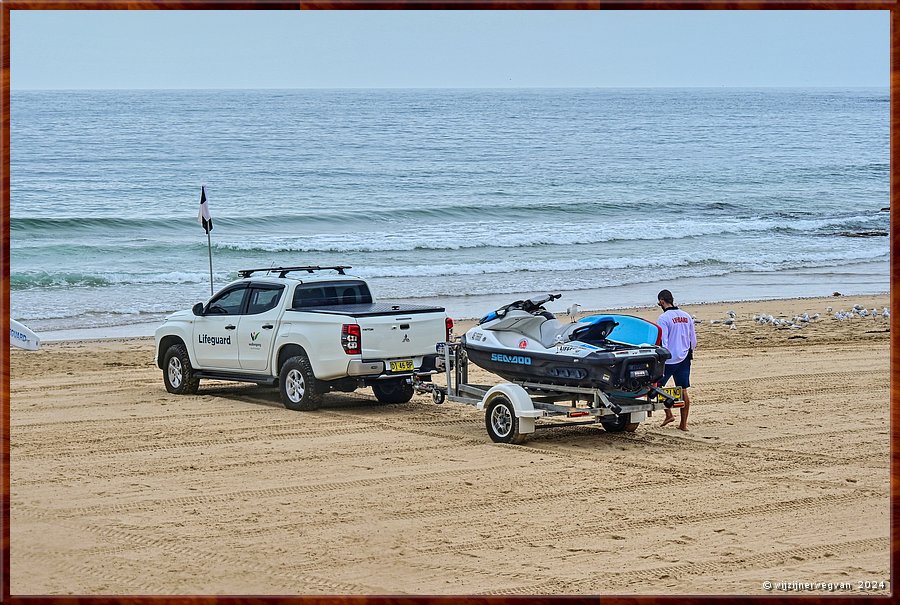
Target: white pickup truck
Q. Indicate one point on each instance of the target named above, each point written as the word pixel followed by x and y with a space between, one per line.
pixel 308 334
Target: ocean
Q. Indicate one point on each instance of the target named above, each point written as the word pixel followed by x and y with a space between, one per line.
pixel 469 198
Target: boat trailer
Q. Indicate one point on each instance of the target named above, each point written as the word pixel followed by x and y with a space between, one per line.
pixel 513 409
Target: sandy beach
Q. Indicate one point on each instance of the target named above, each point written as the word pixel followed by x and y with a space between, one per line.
pixel 118 487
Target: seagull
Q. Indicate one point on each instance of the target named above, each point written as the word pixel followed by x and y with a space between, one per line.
pixel 572 311
pixel 728 322
pixel 857 307
pixel 864 313
pixel 730 314
pixel 885 313
pixel 828 310
pixel 814 317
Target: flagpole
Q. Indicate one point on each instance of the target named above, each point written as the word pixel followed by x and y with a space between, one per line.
pixel 209 248
pixel 206 220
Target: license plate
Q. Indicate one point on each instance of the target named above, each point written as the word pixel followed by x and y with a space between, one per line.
pixel 405 365
pixel 673 392
pixel 439 347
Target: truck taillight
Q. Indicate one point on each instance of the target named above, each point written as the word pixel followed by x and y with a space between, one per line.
pixel 449 323
pixel 351 339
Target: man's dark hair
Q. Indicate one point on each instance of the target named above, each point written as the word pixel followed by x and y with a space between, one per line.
pixel 666 296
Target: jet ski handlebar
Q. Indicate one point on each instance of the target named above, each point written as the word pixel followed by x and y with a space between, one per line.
pixel 532 305
pixel 539 302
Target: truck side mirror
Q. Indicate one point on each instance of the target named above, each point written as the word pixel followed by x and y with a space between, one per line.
pixel 197 309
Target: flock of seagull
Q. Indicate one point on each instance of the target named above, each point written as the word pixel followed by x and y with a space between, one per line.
pixel 800 321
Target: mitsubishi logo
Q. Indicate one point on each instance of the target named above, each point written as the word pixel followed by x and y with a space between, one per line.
pixel 405 338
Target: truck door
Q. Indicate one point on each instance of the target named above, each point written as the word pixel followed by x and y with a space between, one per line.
pixel 258 326
pixel 215 332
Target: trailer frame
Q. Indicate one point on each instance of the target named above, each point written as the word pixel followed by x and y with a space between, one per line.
pixel 512 408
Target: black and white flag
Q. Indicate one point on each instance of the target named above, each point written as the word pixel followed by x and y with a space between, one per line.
pixel 204 217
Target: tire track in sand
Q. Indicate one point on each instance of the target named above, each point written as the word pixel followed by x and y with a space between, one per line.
pixel 706 568
pixel 553 535
pixel 202 499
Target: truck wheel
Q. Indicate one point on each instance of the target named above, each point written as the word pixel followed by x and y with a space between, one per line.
pixel 392 391
pixel 178 374
pixel 298 385
pixel 501 421
pixel 619 424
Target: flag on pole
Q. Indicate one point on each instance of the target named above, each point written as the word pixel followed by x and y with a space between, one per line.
pixel 204 217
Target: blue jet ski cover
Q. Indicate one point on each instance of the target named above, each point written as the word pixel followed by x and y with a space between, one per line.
pixel 631 330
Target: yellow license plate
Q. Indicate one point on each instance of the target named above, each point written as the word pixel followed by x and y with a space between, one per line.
pixel 673 392
pixel 405 365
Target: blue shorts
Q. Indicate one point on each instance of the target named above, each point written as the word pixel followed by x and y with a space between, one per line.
pixel 681 371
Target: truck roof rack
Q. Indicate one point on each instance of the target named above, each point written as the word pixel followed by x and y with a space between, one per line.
pixel 282 271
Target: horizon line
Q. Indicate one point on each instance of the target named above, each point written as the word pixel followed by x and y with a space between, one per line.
pixel 633 87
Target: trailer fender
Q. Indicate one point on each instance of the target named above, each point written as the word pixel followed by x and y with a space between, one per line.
pixel 522 404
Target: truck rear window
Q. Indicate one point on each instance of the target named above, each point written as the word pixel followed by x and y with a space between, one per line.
pixel 331 293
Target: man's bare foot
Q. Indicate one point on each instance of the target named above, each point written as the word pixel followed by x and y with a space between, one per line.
pixel 667 421
pixel 683 428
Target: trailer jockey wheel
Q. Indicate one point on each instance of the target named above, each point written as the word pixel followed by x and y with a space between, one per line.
pixel 437 395
pixel 501 421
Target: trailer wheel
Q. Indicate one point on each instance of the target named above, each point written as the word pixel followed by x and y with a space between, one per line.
pixel 501 421
pixel 178 375
pixel 298 385
pixel 619 424
pixel 393 391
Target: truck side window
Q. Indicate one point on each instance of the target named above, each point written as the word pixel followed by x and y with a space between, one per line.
pixel 332 293
pixel 229 303
pixel 263 299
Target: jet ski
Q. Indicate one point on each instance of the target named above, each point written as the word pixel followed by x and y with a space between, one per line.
pixel 523 342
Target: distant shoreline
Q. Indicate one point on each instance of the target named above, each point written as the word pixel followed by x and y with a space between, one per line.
pixel 700 309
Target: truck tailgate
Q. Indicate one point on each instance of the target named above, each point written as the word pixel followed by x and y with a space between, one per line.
pixel 402 335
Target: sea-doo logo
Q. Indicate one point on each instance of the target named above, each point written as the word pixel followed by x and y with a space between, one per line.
pixel 520 359
pixel 523 344
pixel 206 339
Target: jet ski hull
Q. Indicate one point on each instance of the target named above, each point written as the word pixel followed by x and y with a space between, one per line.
pixel 616 369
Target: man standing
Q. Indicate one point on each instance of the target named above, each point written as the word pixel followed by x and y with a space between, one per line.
pixel 680 338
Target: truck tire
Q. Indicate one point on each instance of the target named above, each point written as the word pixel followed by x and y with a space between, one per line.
pixel 396 390
pixel 619 424
pixel 178 374
pixel 501 422
pixel 298 385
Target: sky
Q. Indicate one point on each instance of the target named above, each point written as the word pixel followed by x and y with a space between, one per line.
pixel 446 49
